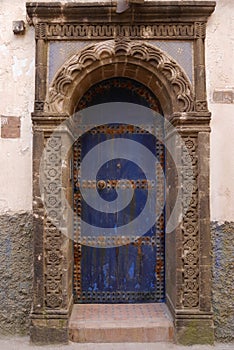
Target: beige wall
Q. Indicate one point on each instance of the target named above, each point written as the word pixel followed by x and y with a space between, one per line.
pixel 16 99
pixel 220 76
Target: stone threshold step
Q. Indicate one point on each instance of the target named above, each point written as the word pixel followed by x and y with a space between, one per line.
pixel 120 323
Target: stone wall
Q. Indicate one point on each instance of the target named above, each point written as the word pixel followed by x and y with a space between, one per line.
pixel 223 280
pixel 16 258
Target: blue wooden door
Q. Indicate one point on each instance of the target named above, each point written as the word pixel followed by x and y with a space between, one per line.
pixel 117 268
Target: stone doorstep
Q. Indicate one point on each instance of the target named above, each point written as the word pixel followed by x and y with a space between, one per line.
pixel 140 323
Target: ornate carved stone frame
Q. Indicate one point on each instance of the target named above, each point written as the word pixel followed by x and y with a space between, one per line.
pixel 124 49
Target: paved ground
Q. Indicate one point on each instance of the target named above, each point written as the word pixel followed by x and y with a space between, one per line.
pixel 22 343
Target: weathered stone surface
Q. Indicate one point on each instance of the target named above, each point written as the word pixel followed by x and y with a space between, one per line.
pixel 122 56
pixel 194 331
pixel 16 272
pixel 223 280
pixel 50 331
pixel 223 96
pixel 148 323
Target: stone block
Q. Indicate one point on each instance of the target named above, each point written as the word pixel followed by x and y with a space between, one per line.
pixel 194 331
pixel 223 96
pixel 10 127
pixel 44 332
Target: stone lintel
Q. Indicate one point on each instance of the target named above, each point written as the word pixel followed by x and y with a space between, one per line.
pixel 99 12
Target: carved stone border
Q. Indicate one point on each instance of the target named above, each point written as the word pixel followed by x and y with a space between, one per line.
pixel 73 31
pixel 126 53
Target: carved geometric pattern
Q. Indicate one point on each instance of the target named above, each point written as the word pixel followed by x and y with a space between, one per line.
pixel 40 31
pixel 53 237
pixel 71 31
pixel 200 30
pixel 39 106
pixel 113 297
pixel 156 60
pixel 190 249
pixel 201 106
pixel 109 241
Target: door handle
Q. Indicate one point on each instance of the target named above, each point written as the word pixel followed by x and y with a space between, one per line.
pixel 101 184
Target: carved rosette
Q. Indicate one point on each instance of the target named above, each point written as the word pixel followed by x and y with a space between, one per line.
pixel 201 106
pixel 190 247
pixel 157 61
pixel 53 238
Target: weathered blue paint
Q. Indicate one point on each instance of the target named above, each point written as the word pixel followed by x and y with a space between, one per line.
pixel 132 272
pixel 129 268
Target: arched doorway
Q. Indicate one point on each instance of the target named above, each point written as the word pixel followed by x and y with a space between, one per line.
pixel 126 49
pixel 119 268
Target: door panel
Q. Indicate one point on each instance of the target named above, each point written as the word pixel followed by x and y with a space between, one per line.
pixel 118 268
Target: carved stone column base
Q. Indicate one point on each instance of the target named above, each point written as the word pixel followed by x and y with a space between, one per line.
pixel 49 331
pixel 190 331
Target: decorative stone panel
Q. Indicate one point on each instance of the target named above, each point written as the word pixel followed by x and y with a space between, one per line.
pixel 53 238
pixel 112 51
pixel 72 31
pixel 190 231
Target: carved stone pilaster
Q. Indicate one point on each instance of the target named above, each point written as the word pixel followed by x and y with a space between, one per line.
pixel 189 225
pixel 53 237
pixel 190 303
pixel 41 74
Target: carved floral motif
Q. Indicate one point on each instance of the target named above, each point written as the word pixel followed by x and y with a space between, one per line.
pixel 53 239
pixel 190 249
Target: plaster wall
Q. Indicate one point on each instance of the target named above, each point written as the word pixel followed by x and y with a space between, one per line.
pixel 220 76
pixel 16 99
pixel 17 94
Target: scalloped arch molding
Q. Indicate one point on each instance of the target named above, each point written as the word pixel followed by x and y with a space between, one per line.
pixel 162 68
